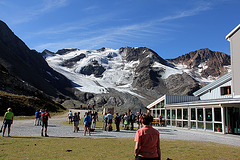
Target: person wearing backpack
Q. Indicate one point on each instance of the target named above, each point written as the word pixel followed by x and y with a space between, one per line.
pixel 45 116
pixel 75 119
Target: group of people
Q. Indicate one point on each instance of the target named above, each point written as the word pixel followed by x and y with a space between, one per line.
pixel 41 118
pixel 147 139
pixel 90 119
pixel 38 115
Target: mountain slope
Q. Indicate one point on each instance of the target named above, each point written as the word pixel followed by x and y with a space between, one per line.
pixel 23 98
pixel 204 65
pixel 29 66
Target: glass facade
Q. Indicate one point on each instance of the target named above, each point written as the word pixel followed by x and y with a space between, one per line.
pixel 203 118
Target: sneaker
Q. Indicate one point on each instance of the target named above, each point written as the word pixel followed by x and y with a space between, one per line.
pixel 42 134
pixel 46 135
pixel 2 135
pixel 9 136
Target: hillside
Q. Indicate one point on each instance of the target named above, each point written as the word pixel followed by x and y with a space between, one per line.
pixel 23 98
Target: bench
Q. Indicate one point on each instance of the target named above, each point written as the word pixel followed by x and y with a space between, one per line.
pixel 155 122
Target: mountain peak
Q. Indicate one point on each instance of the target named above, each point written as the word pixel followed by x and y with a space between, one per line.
pixel 210 63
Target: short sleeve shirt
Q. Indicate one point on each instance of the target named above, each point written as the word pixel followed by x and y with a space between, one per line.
pixel 9 115
pixel 148 139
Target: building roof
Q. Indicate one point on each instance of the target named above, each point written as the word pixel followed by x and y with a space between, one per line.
pixel 233 32
pixel 225 78
pixel 211 102
pixel 169 99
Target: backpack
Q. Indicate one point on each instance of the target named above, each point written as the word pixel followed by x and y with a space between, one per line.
pixel 44 117
pixel 74 118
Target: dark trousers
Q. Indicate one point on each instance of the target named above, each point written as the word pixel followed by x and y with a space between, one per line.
pixel 117 126
pixel 131 123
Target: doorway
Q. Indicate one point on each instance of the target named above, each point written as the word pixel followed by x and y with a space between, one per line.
pixel 233 120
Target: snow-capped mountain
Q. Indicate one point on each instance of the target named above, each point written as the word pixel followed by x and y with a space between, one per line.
pixel 139 72
pixel 203 65
pixel 97 71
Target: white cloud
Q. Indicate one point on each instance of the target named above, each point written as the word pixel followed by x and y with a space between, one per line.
pixel 90 39
pixel 31 13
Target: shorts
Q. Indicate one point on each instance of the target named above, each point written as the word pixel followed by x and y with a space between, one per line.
pixel 44 123
pixel 75 123
pixel 7 122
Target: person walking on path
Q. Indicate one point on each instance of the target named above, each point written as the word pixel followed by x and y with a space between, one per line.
pixel 147 141
pixel 117 122
pixel 87 123
pixel 8 120
pixel 45 116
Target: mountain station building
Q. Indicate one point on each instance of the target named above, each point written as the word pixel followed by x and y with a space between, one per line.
pixel 214 108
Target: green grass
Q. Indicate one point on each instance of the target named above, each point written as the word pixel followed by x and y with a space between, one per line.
pixel 107 148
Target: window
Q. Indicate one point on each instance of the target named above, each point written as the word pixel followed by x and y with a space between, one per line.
pixel 162 104
pixel 217 112
pixel 173 114
pixel 200 114
pixel 185 114
pixel 163 113
pixel 225 90
pixel 208 112
pixel 179 113
pixel 193 114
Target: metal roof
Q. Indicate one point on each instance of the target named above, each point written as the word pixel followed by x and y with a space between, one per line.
pixel 227 77
pixel 211 102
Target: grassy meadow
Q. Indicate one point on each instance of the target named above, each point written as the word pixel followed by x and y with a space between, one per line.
pixel 107 148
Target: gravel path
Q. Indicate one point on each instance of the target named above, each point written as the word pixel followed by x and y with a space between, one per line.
pixel 26 128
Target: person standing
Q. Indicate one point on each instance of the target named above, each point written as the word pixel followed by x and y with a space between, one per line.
pixel 117 122
pixel 37 117
pixel 131 120
pixel 8 120
pixel 87 123
pixel 75 122
pixel 40 117
pixel 70 115
pixel 147 141
pixel 110 117
pixel 94 119
pixel 125 120
pixel 45 116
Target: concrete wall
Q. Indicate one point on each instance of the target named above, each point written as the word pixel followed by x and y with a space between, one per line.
pixel 235 61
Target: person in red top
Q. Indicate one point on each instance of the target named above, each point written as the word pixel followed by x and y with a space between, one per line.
pixel 147 141
pixel 45 116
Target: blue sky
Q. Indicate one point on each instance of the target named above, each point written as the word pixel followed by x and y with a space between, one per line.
pixel 170 28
